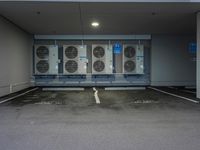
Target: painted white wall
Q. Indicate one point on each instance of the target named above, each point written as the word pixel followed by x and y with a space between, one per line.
pixel 15 58
pixel 171 62
pixel 198 55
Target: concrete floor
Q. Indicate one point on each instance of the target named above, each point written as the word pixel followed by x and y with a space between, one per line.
pixel 125 120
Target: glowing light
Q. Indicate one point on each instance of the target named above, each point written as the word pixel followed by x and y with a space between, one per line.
pixel 95 24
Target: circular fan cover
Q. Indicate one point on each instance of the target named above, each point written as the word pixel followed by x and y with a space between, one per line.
pixel 129 66
pixel 98 52
pixel 42 52
pixel 71 66
pixel 42 66
pixel 98 66
pixel 71 52
pixel 129 52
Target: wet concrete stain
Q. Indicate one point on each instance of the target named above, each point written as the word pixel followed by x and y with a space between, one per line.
pixel 113 100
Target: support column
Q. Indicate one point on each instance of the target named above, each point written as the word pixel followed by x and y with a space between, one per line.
pixel 198 55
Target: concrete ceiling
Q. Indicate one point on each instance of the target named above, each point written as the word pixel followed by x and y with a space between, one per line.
pixel 114 18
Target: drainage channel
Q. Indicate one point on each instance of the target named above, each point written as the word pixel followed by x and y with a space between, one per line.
pixel 63 89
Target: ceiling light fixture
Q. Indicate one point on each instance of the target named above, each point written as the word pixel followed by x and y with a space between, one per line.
pixel 95 24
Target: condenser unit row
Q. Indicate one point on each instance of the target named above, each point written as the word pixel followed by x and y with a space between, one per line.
pixel 75 59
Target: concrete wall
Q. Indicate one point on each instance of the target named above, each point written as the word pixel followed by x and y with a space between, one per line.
pixel 171 62
pixel 15 58
pixel 198 55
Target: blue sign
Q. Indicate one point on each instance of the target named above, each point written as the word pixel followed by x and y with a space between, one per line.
pixel 117 48
pixel 192 48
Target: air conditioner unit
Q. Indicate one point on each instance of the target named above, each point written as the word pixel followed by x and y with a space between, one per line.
pixel 102 59
pixel 75 59
pixel 133 59
pixel 46 59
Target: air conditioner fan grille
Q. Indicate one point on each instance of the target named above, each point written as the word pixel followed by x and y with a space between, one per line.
pixel 129 66
pixel 71 66
pixel 42 52
pixel 42 66
pixel 71 52
pixel 98 66
pixel 129 52
pixel 99 52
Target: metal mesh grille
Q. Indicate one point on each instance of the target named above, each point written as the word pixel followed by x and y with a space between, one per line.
pixel 71 52
pixel 42 52
pixel 98 52
pixel 98 66
pixel 129 52
pixel 71 66
pixel 129 66
pixel 42 66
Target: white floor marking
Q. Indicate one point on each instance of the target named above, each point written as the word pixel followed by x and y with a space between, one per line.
pixel 11 98
pixel 94 89
pixel 96 96
pixel 185 98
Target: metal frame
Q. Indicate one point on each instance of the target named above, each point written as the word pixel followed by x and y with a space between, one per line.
pixel 93 37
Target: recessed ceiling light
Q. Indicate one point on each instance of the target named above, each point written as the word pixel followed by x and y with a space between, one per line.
pixel 95 24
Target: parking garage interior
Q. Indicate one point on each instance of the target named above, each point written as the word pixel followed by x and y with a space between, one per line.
pixel 141 92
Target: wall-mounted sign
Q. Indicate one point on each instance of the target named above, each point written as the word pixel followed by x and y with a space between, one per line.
pixel 192 47
pixel 117 48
